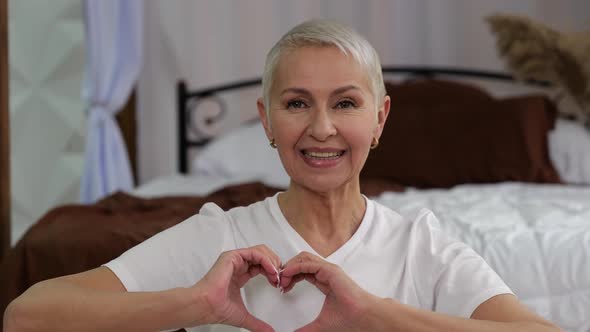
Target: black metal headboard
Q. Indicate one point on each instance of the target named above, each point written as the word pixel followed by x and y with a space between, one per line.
pixel 188 101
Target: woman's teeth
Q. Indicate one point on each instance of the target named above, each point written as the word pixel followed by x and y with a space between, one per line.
pixel 323 155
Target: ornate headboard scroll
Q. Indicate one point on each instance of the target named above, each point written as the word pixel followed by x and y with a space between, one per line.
pixel 188 102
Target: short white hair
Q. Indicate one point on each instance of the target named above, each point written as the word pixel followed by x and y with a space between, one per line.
pixel 326 33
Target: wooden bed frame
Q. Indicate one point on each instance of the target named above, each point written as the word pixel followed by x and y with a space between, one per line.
pixel 4 134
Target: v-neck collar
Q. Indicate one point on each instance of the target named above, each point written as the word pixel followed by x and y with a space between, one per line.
pixel 340 253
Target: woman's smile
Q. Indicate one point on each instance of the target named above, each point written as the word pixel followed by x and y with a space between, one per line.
pixel 322 157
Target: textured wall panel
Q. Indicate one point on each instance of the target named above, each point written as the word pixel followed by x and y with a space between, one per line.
pixel 47 119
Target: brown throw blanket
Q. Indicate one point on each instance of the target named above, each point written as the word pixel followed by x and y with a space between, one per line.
pixel 75 238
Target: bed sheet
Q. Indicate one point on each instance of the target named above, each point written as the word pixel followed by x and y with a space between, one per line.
pixel 537 237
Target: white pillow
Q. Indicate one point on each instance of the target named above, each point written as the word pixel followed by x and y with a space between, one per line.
pixel 244 153
pixel 569 150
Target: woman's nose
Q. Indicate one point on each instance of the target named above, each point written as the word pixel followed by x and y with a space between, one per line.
pixel 321 125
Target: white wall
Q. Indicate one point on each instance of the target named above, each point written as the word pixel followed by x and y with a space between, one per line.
pixel 46 112
pixel 212 42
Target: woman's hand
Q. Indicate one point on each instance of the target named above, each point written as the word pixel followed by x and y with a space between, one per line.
pixel 220 287
pixel 346 307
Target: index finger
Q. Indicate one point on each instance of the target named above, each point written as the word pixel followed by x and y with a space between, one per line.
pixel 256 257
pixel 304 262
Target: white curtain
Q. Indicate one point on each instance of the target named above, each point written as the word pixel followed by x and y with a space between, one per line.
pixel 210 42
pixel 114 33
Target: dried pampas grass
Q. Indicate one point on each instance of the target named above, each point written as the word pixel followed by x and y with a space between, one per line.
pixel 533 50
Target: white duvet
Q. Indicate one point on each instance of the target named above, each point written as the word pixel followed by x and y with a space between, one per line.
pixel 537 237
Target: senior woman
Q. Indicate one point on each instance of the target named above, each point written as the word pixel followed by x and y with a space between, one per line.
pixel 327 258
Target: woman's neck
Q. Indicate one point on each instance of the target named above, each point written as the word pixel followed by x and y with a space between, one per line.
pixel 325 220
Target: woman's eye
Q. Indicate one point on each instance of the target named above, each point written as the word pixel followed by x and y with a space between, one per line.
pixel 345 104
pixel 296 104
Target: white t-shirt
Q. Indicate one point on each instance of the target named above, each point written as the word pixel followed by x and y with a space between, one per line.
pixel 411 261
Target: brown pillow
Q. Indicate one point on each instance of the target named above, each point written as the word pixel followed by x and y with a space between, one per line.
pixel 428 92
pixel 458 134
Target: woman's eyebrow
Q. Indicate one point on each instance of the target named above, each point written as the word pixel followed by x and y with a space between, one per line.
pixel 297 91
pixel 304 91
pixel 344 89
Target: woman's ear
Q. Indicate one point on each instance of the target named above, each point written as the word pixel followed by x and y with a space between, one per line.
pixel 382 114
pixel 263 118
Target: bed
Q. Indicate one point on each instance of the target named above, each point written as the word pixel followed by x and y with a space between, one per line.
pixel 505 174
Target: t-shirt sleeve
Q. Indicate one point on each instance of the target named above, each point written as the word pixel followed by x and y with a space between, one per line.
pixel 453 279
pixel 177 257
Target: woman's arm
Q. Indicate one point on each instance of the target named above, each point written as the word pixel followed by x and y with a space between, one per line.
pixel 500 313
pixel 97 301
pixel 350 308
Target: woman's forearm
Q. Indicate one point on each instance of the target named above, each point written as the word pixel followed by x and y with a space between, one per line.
pixel 60 305
pixel 389 315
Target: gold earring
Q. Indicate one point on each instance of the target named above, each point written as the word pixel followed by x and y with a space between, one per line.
pixel 272 143
pixel 374 143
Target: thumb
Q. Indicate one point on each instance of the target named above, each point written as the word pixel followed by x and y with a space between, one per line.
pixel 254 324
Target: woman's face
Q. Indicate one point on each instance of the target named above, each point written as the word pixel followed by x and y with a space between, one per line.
pixel 323 117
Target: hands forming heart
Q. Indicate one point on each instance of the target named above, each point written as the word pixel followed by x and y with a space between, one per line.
pixel 344 308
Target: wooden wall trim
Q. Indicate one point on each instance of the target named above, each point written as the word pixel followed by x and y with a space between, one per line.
pixel 4 134
pixel 126 119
